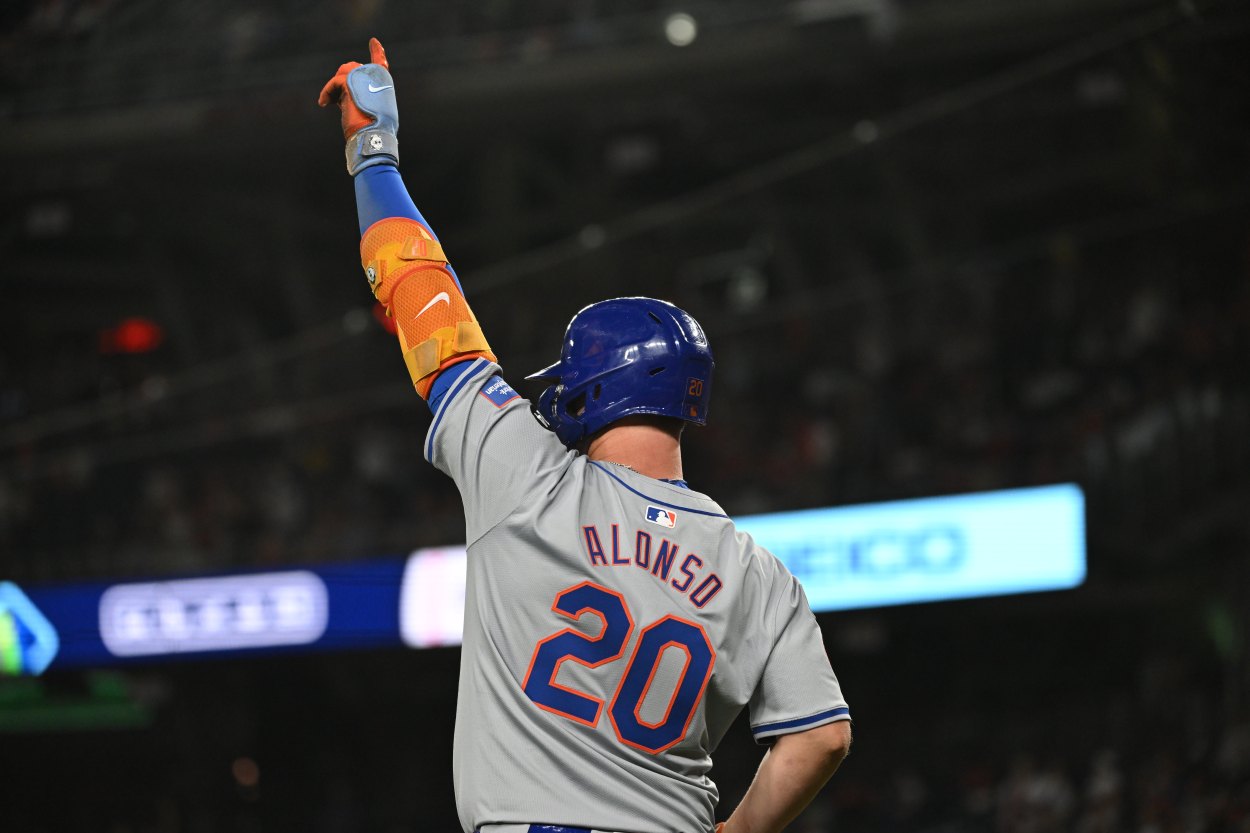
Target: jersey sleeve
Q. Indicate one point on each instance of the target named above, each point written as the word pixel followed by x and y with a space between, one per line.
pixel 798 689
pixel 485 437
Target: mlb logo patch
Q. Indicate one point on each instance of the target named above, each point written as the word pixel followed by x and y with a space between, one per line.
pixel 498 392
pixel 662 517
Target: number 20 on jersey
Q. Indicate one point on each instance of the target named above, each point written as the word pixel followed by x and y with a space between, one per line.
pixel 609 646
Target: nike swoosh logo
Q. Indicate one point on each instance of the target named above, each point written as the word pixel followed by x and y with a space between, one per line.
pixel 374 89
pixel 442 296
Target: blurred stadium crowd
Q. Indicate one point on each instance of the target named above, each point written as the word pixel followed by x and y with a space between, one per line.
pixel 1138 394
pixel 1050 286
pixel 1133 386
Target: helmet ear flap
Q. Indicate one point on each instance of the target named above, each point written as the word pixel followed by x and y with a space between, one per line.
pixel 554 413
pixel 575 407
pixel 542 408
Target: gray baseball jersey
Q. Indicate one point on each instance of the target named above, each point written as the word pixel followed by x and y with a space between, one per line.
pixel 615 625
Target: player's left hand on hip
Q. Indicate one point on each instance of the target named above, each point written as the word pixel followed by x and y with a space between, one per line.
pixel 369 113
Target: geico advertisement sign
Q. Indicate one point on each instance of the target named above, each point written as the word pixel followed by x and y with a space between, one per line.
pixel 874 555
pixel 882 553
pixel 214 614
pixel 1013 541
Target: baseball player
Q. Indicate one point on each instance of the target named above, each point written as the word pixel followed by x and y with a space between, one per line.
pixel 615 621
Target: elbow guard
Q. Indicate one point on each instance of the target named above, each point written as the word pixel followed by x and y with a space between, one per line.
pixel 407 271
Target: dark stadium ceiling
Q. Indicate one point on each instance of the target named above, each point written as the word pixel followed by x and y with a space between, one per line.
pixel 166 158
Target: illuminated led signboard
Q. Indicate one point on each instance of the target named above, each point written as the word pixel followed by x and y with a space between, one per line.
pixel 214 614
pixel 28 641
pixel 988 544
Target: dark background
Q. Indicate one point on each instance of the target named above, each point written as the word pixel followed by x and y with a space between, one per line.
pixel 938 246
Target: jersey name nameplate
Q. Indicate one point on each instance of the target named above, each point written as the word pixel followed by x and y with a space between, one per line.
pixel 685 575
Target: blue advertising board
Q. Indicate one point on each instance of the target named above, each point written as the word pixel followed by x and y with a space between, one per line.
pixel 903 552
pixel 328 607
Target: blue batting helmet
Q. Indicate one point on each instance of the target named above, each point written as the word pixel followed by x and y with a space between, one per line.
pixel 623 357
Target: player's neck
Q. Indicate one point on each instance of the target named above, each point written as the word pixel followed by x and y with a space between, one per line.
pixel 649 449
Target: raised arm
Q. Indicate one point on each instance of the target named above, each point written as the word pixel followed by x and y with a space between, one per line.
pixel 403 260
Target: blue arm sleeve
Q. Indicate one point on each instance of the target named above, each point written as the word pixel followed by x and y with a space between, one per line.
pixel 380 193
